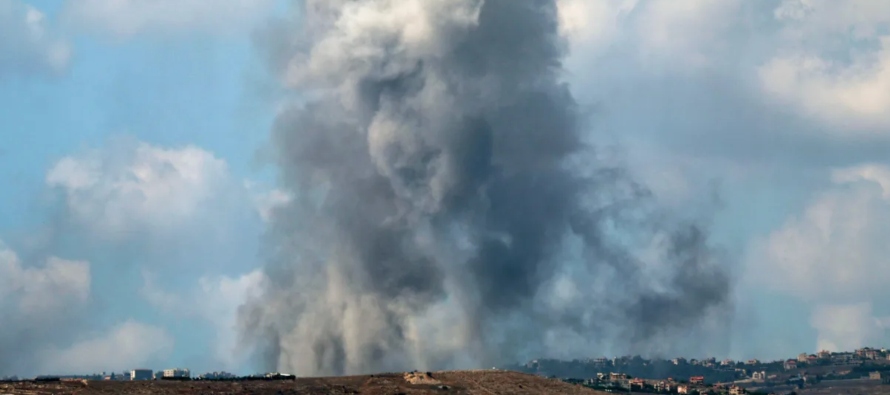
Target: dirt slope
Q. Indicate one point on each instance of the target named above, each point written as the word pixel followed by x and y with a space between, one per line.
pixel 454 382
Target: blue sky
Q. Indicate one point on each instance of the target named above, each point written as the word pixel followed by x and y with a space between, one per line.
pixel 134 188
pixel 191 88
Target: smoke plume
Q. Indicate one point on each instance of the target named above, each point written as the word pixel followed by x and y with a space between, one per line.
pixel 448 211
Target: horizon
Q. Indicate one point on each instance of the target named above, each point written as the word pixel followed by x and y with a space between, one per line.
pixel 608 359
pixel 325 187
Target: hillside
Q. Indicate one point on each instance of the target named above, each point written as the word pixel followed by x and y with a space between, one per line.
pixel 451 382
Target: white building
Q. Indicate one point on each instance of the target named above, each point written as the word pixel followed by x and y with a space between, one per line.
pixel 140 374
pixel 176 373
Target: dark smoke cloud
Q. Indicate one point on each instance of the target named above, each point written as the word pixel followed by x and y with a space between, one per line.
pixel 448 210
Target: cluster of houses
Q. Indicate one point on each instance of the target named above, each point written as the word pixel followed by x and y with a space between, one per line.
pixel 725 377
pixel 148 374
pixel 821 358
pixel 789 371
pixel 695 385
pixel 838 358
pixel 184 374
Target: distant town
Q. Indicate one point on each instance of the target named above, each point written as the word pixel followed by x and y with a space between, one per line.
pixel 178 374
pixel 856 372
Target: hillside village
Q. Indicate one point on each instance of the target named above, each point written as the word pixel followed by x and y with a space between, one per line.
pixel 865 367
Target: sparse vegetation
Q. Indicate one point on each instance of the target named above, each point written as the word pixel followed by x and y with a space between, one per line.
pixel 481 382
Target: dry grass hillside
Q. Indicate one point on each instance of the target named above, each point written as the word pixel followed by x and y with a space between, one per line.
pixel 481 382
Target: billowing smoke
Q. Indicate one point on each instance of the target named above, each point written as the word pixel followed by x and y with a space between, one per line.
pixel 448 211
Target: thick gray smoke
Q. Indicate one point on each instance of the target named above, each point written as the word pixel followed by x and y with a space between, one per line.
pixel 447 210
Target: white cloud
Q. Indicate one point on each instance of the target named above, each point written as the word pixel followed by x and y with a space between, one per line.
pixel 832 62
pixel 40 305
pixel 835 251
pixel 43 291
pixel 215 300
pixel 687 31
pixel 869 173
pixel 767 98
pixel 847 327
pixel 166 209
pixel 592 24
pixel 223 296
pixel 793 71
pixel 266 201
pixel 828 59
pixel 128 344
pixel 834 256
pixel 141 187
pixel 27 43
pixel 127 18
pixel 857 92
pixel 686 34
pixel 808 19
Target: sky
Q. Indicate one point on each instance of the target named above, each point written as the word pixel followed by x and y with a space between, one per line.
pixel 137 188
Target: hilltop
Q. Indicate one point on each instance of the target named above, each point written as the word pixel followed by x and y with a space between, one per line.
pixel 449 382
